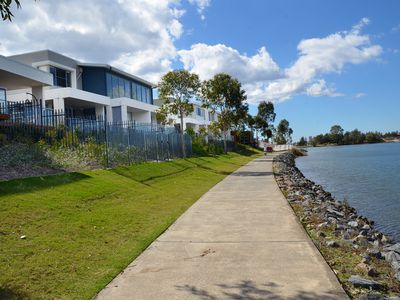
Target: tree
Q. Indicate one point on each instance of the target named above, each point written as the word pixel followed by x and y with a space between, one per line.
pixel 176 88
pixel 284 133
pixel 336 134
pixel 264 119
pixel 302 142
pixel 224 94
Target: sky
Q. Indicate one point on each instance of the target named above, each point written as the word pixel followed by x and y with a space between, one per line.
pixel 320 62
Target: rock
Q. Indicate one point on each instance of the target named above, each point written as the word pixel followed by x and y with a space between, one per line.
pixel 393 258
pixel 371 297
pixel 385 239
pixel 375 253
pixel 395 248
pixel 361 240
pixel 332 244
pixel 365 258
pixel 366 227
pixel 332 220
pixel 322 225
pixel 372 272
pixel 353 224
pixel 359 281
pixel 334 213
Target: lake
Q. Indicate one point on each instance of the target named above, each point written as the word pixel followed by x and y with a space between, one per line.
pixel 368 176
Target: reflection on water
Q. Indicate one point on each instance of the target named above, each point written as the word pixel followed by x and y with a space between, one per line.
pixel 368 176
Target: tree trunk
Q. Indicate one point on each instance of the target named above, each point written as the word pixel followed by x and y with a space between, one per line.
pixel 182 138
pixel 225 145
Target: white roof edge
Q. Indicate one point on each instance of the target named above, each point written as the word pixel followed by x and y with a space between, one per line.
pixel 118 71
pixel 15 67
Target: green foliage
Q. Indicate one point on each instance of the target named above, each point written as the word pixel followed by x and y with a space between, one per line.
pixel 224 94
pixel 176 88
pixel 284 133
pixel 264 119
pixel 337 136
pixel 5 8
pixel 302 142
pixel 26 155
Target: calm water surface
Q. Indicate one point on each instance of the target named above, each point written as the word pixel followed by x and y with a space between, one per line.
pixel 368 176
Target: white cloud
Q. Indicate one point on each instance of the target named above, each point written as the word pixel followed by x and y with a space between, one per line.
pixel 264 80
pixel 137 36
pixel 320 88
pixel 206 60
pixel 360 95
pixel 201 6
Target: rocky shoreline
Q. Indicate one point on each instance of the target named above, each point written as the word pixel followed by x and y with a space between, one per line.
pixel 366 261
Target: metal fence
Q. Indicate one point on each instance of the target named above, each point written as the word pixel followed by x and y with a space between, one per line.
pixel 117 143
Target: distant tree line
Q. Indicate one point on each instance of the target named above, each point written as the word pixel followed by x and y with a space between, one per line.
pixel 337 136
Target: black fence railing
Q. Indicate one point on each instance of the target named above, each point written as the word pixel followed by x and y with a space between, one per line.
pixel 116 143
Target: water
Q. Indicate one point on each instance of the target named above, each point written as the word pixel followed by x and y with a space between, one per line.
pixel 368 176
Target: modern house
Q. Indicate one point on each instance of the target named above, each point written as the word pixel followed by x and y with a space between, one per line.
pixel 85 90
pixel 200 117
pixel 15 76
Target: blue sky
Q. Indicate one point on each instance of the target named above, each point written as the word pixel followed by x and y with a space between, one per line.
pixel 321 62
pixel 281 25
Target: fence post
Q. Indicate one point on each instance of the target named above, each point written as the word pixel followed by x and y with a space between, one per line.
pixel 144 144
pixel 129 145
pixel 157 148
pixel 106 142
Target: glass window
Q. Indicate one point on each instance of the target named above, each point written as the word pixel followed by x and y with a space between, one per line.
pixel 2 97
pixel 120 87
pixel 109 84
pixel 143 94
pixel 134 93
pixel 114 86
pixel 127 88
pixel 61 77
pixel 148 98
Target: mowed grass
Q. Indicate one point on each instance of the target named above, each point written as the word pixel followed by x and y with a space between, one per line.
pixel 82 229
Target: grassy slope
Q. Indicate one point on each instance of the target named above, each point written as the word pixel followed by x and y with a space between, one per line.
pixel 83 228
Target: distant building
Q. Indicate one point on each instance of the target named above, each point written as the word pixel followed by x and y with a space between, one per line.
pixel 199 118
pixel 84 89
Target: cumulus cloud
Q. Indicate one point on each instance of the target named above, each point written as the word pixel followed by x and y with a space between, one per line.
pixel 201 6
pixel 207 60
pixel 264 80
pixel 137 36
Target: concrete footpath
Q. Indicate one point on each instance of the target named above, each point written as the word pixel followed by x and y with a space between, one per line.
pixel 241 240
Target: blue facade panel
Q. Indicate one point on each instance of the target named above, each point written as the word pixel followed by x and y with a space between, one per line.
pixel 105 82
pixel 94 80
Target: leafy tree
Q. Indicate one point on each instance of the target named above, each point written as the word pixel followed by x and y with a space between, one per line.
pixel 284 133
pixel 176 88
pixel 336 134
pixel 224 94
pixel 264 119
pixel 302 142
pixel 5 8
pixel 373 137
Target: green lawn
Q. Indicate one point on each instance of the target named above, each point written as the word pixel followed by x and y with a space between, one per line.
pixel 83 228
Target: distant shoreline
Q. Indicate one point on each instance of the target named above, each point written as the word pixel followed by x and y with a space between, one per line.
pixel 336 145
